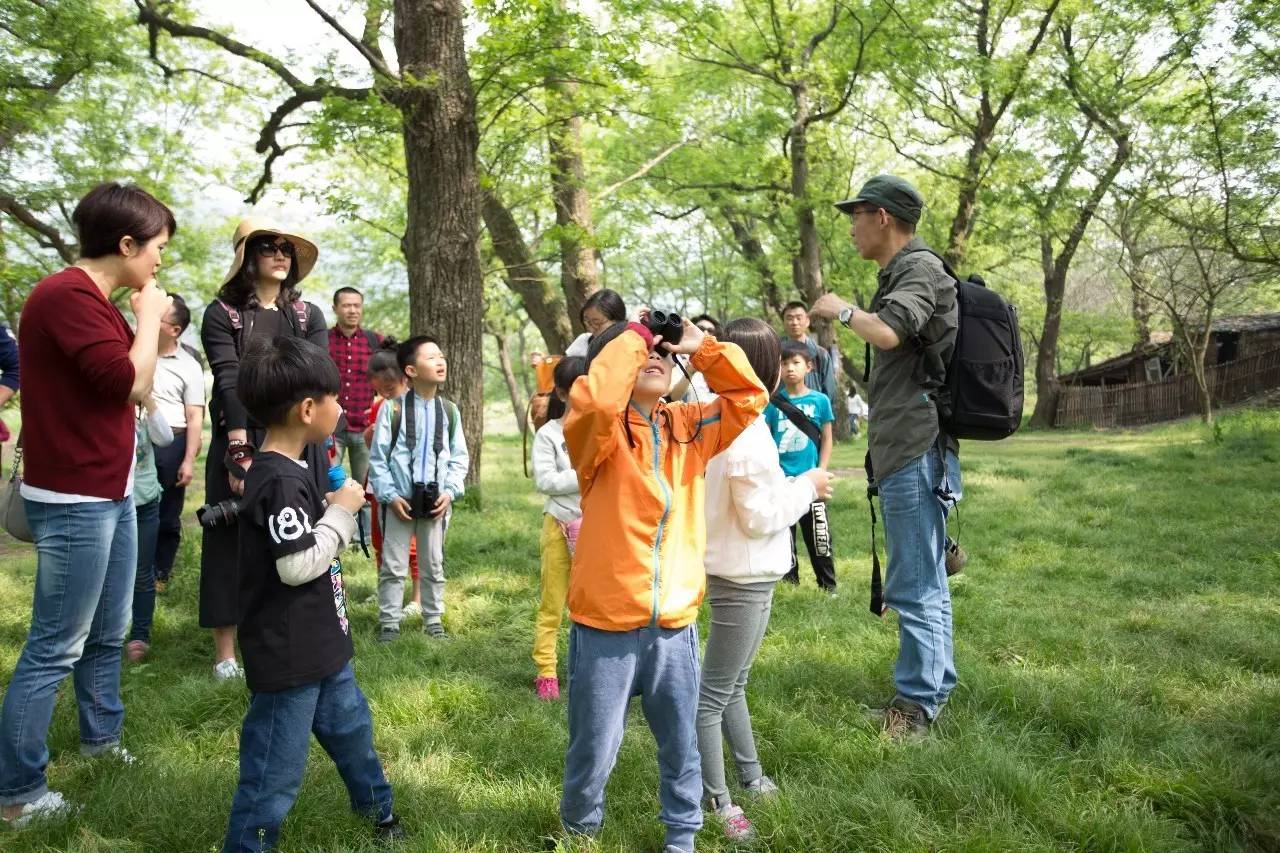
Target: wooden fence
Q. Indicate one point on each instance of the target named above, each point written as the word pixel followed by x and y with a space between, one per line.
pixel 1167 399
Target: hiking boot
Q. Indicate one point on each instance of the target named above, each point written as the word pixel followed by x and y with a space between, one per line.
pixel 388 832
pixel 436 631
pixel 136 650
pixel 905 720
pixel 49 806
pixel 956 558
pixel 548 687
pixel 388 635
pixel 225 670
pixel 736 826
pixel 761 789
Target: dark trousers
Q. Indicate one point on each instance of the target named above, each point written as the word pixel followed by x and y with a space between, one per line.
pixel 817 538
pixel 168 460
pixel 144 582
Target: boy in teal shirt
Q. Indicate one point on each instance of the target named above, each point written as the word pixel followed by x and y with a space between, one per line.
pixel 798 453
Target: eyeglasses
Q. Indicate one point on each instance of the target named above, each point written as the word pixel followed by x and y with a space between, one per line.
pixel 268 250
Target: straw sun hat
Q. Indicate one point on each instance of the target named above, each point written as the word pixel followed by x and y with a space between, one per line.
pixel 305 252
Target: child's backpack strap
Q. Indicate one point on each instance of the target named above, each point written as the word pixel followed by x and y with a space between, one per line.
pixel 397 416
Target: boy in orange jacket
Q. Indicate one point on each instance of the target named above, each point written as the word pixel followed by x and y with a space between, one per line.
pixel 638 577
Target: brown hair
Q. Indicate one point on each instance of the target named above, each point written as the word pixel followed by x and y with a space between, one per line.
pixel 760 343
pixel 110 212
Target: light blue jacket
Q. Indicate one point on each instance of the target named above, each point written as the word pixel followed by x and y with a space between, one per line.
pixel 394 470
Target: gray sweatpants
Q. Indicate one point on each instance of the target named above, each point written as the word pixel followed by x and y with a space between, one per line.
pixel 739 616
pixel 395 567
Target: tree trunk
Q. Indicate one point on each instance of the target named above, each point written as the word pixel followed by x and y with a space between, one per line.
pixel 807 269
pixel 525 276
pixel 749 246
pixel 966 205
pixel 1055 286
pixel 1141 313
pixel 443 199
pixel 578 275
pixel 509 377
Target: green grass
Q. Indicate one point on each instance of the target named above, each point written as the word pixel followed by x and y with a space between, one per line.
pixel 1117 638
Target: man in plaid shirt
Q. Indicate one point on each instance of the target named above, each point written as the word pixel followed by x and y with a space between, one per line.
pixel 350 347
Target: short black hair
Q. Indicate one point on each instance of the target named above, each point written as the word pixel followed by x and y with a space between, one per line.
pixel 384 360
pixel 608 303
pixel 567 371
pixel 716 328
pixel 791 349
pixel 342 290
pixel 407 351
pixel 110 212
pixel 760 343
pixel 277 375
pixel 793 305
pixel 181 313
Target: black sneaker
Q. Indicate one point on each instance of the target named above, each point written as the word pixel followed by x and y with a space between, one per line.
pixel 905 720
pixel 388 635
pixel 389 831
pixel 436 631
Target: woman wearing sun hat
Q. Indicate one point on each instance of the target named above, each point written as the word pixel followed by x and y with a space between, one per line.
pixel 259 299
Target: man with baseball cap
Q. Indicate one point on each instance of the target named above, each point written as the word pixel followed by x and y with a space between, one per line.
pixel 912 328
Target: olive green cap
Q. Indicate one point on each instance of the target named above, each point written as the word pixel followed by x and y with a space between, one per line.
pixel 894 194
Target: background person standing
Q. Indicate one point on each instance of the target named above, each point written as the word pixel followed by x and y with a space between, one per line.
pixel 795 319
pixel 350 347
pixel 179 396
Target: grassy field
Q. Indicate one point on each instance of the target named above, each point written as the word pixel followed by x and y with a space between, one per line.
pixel 1117 638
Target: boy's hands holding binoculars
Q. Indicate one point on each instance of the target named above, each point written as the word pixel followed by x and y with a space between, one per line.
pixel 690 338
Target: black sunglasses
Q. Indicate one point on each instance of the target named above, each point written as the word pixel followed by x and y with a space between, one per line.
pixel 268 248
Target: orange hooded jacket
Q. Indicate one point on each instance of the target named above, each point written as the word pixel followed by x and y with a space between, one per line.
pixel 639 555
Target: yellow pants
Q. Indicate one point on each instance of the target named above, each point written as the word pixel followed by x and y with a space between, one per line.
pixel 555 587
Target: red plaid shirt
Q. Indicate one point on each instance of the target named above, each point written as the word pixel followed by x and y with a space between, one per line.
pixel 352 357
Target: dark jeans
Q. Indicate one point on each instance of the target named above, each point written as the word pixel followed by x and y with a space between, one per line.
pixel 168 460
pixel 274 743
pixel 144 582
pixel 817 539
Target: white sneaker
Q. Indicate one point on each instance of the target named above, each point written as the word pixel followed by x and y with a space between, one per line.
pixel 413 608
pixel 736 826
pixel 115 750
pixel 225 670
pixel 762 788
pixel 50 805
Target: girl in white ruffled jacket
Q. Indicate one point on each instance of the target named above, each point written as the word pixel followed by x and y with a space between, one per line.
pixel 751 506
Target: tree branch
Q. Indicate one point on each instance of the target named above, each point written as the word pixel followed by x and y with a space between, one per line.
pixel 46 235
pixel 646 168
pixel 375 60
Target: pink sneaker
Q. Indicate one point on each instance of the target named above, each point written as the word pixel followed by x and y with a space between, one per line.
pixel 136 650
pixel 548 687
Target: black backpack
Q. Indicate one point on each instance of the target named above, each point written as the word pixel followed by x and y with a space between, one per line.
pixel 981 397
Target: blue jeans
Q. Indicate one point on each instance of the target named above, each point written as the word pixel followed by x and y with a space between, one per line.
pixel 144 583
pixel 86 554
pixel 274 743
pixel 915 586
pixel 605 669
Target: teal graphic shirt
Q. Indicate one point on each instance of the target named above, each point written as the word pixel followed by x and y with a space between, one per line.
pixel 795 451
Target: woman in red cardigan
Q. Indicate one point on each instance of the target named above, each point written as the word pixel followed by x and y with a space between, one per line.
pixel 83 373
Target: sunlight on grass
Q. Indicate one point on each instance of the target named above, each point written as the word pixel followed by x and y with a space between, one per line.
pixel 1116 636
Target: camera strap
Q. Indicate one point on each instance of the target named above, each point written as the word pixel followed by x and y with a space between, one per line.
pixel 411 431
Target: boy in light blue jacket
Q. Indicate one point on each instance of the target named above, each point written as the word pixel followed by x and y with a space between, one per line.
pixel 417 466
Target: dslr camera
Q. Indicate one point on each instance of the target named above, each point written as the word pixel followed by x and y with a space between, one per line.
pixel 668 324
pixel 422 503
pixel 221 514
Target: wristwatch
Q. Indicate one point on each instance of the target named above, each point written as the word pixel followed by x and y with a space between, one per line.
pixel 845 315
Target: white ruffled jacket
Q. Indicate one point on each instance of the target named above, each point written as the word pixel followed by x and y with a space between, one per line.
pixel 751 506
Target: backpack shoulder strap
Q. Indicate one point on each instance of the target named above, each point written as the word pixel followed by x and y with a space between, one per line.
pixel 233 315
pixel 374 340
pixel 797 417
pixel 397 417
pixel 300 311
